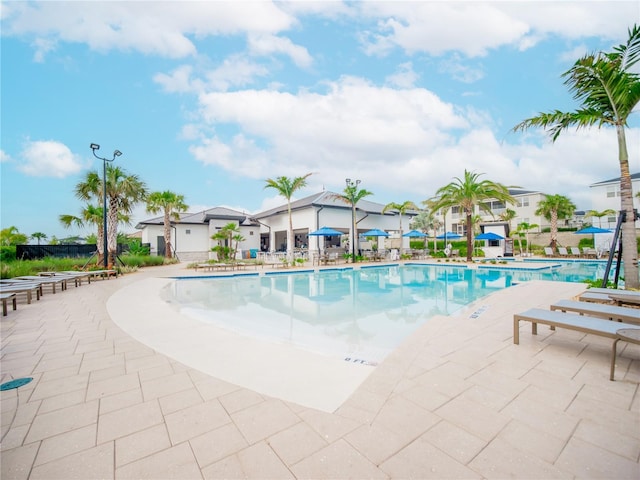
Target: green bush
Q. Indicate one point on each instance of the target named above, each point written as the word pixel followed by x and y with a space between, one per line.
pixel 7 253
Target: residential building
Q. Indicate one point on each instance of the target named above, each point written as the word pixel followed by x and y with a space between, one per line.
pixel 606 195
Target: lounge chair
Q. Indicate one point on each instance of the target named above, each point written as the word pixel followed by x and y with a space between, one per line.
pixel 570 321
pixel 589 252
pixel 562 251
pixel 548 251
pixel 575 251
pixel 5 297
pixel 602 310
pixel 610 295
pixel 27 288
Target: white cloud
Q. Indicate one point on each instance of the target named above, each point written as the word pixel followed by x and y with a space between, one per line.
pixel 459 70
pixel 265 45
pixel 408 141
pixel 49 159
pixel 4 156
pixel 405 76
pixel 474 28
pixel 159 28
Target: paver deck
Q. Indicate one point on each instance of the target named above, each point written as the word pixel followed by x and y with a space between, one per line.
pixel 456 400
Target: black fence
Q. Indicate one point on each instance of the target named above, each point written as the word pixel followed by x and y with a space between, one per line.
pixel 33 252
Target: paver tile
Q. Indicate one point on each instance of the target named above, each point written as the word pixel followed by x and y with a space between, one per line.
pixel 62 420
pixel 126 421
pixel 141 444
pixel 216 444
pixel 176 462
pixel 192 421
pixel 296 442
pixel 96 462
pixel 263 420
pixel 66 443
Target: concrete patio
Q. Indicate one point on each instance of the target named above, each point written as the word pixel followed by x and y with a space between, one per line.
pixel 456 400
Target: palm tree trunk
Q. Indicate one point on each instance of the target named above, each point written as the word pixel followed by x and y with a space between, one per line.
pixel 629 240
pixel 469 236
pixel 167 234
pixel 554 229
pixel 112 234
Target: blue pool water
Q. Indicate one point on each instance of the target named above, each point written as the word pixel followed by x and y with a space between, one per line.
pixel 359 314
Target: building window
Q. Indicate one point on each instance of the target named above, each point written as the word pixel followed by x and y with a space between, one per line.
pixel 187 232
pixel 612 219
pixel 523 201
pixel 613 191
pixel 250 232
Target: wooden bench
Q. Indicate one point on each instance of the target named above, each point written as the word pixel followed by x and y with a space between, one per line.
pixel 5 297
pixel 570 321
pixel 602 310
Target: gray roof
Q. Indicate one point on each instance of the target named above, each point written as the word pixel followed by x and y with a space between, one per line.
pixel 221 213
pixel 520 191
pixel 634 176
pixel 330 200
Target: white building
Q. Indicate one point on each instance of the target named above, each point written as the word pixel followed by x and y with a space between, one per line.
pixel 606 195
pixel 267 231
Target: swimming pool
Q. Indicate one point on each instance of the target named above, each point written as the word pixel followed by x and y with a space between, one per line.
pixel 359 315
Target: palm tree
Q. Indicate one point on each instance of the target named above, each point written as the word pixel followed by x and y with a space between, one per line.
pixel 608 88
pixel 171 204
pixel 11 236
pixel 402 209
pixel 286 187
pixel 123 192
pixel 507 216
pixel 523 231
pixel 468 193
pixel 351 195
pixel 91 215
pixel 225 237
pixel 554 208
pixel 39 236
pixel 425 221
pixel 599 215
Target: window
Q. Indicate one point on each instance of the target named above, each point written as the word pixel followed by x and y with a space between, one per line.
pixel 613 191
pixel 187 232
pixel 251 233
pixel 523 202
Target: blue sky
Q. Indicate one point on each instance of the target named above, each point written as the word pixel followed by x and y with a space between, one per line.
pixel 209 99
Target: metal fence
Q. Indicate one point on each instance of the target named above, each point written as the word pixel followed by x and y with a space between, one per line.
pixel 33 252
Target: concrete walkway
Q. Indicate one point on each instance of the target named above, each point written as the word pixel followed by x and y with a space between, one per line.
pixel 456 400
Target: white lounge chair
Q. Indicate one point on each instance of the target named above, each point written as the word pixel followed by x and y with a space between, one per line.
pixel 602 310
pixel 548 251
pixel 562 251
pixel 575 251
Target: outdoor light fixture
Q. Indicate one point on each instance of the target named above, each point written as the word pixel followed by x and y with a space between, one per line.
pixel 116 153
pixel 354 235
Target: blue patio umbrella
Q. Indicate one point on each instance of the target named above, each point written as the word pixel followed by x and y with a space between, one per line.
pixel 489 236
pixel 325 232
pixel 414 234
pixel 590 230
pixel 449 236
pixel 375 233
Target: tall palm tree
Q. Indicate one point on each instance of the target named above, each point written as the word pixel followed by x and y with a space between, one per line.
pixel 171 204
pixel 599 215
pixel 607 86
pixel 39 236
pixel 402 209
pixel 554 208
pixel 467 193
pixel 351 195
pixel 123 192
pixel 426 221
pixel 286 187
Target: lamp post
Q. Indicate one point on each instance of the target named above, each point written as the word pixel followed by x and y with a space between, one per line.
pixel 352 189
pixel 116 153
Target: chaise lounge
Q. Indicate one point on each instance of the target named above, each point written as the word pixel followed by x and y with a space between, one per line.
pixel 601 310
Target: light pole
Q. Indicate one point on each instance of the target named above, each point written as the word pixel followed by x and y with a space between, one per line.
pixel 352 190
pixel 116 153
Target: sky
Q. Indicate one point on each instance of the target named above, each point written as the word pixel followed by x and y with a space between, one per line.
pixel 210 99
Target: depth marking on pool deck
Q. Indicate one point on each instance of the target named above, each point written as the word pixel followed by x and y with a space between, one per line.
pixel 479 311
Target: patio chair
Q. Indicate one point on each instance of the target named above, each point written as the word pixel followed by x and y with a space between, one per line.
pixel 548 251
pixel 575 251
pixel 562 251
pixel 5 297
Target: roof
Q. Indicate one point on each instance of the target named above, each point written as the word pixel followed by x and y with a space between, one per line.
pixel 220 213
pixel 634 176
pixel 519 191
pixel 327 199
